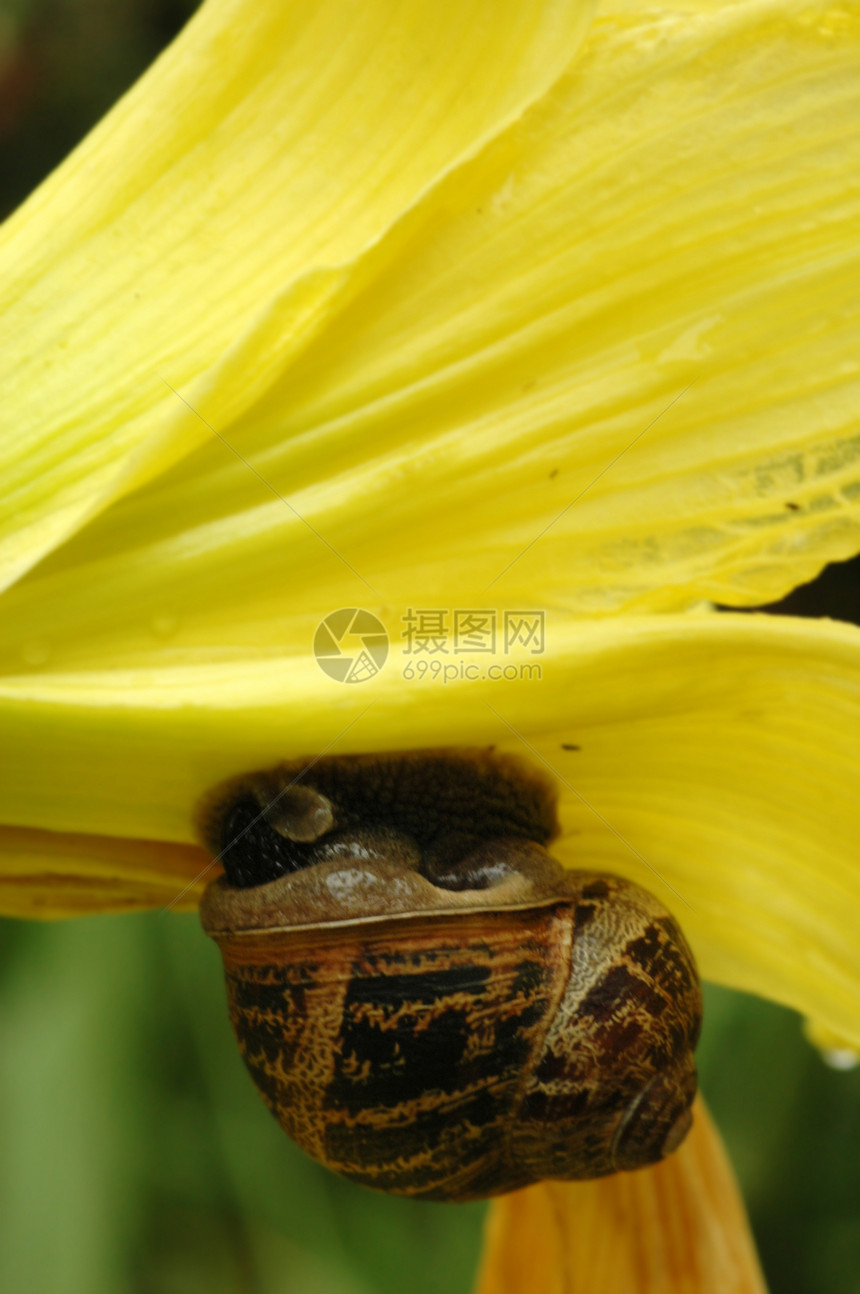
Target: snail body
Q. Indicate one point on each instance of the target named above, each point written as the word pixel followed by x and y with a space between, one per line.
pixel 427 1001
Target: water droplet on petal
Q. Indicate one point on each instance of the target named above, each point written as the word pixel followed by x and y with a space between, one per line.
pixel 36 651
pixel 164 624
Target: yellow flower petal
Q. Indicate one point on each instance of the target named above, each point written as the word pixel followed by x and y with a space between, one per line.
pixel 713 759
pixel 59 874
pixel 679 215
pixel 681 209
pixel 678 1228
pixel 269 142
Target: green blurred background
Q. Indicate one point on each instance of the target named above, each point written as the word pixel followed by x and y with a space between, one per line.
pixel 135 1154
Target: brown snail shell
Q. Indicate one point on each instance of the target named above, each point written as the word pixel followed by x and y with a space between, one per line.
pixel 427 1001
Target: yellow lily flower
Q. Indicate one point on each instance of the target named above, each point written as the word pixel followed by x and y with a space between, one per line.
pixel 440 311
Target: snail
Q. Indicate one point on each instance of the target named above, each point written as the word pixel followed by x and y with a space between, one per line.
pixel 428 1002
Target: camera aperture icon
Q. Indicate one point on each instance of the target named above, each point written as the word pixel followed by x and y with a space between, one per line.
pixel 351 645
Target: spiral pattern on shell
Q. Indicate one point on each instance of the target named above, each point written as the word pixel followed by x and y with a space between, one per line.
pixel 426 1000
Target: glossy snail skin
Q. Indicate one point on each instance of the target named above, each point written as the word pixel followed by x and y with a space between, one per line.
pixel 427 1001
